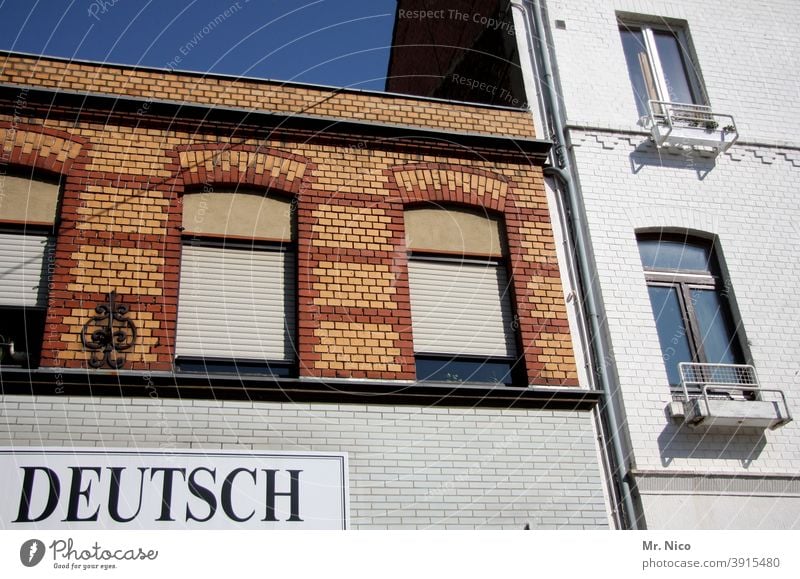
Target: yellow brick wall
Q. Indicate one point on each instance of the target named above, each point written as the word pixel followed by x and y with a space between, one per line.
pixel 120 226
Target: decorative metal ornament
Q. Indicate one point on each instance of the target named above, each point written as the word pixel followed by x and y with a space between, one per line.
pixel 108 334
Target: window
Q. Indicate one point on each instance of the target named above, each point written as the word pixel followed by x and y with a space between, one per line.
pixel 236 308
pixel 659 65
pixel 460 297
pixel 28 210
pixel 690 302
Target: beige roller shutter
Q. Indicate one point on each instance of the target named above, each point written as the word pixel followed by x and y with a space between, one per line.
pixel 236 303
pixel 23 279
pixel 461 308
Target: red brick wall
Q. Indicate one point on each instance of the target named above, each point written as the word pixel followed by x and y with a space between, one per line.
pixel 121 217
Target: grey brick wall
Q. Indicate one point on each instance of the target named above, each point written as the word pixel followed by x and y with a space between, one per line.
pixel 409 467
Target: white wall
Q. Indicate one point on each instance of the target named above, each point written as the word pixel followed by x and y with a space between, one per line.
pixel 703 512
pixel 409 467
pixel 748 197
pixel 746 54
pixel 751 206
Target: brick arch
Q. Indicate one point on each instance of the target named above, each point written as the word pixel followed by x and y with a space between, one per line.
pixel 681 219
pixel 451 183
pixel 242 164
pixel 38 147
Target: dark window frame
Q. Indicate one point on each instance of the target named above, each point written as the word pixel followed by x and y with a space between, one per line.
pixel 686 280
pixel 34 317
pixel 516 372
pixel 241 366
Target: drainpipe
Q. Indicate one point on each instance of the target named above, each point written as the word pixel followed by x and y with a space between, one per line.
pixel 532 12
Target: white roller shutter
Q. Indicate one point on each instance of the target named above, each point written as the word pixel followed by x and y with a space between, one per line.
pixel 460 308
pixel 236 303
pixel 23 281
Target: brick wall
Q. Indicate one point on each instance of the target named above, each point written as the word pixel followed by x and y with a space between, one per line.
pixel 409 467
pixel 121 213
pixel 123 179
pixel 745 74
pixel 746 198
pixel 153 85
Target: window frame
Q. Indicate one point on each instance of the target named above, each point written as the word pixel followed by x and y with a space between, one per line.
pixel 209 365
pixel 656 69
pixel 686 280
pixel 43 229
pixel 516 372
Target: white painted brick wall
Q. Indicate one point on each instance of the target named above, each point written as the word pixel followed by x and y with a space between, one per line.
pixel 746 52
pixel 748 197
pixel 752 206
pixel 409 467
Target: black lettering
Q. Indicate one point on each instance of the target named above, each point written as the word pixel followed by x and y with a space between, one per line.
pixel 113 494
pixel 53 493
pixel 166 492
pixel 294 494
pixel 227 485
pixel 75 493
pixel 202 492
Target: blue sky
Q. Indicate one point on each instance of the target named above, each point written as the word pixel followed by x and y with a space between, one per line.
pixel 331 42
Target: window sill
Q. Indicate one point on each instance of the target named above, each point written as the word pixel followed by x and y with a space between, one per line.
pixel 67 382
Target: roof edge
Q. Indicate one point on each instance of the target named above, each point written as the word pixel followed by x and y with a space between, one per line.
pixel 534 149
pixel 322 87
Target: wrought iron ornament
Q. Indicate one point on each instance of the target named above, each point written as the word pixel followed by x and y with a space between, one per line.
pixel 108 334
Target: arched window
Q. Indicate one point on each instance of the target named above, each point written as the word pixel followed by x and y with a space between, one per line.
pixel 691 302
pixel 461 306
pixel 28 211
pixel 236 307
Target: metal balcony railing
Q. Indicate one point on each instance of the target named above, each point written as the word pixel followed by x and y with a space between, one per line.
pixel 716 391
pixel 692 125
pixel 719 378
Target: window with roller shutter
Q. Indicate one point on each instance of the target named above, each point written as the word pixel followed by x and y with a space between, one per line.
pixel 236 307
pixel 28 210
pixel 461 298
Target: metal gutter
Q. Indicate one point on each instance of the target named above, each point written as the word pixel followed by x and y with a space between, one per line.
pixel 563 172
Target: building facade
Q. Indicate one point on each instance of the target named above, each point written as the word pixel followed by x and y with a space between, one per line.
pixel 677 144
pixel 210 263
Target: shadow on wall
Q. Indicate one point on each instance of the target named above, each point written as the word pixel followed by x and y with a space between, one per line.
pixel 646 154
pixel 681 441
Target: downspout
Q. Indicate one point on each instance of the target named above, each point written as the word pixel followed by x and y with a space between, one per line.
pixel 533 13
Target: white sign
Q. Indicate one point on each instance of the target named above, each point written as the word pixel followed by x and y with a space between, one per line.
pixel 57 488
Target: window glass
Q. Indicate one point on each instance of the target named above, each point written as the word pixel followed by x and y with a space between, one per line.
pixel 659 68
pixel 676 77
pixel 718 333
pixel 671 330
pixel 638 68
pixel 461 370
pixel 674 255
pixel 692 314
pixel 249 367
pixel 21 331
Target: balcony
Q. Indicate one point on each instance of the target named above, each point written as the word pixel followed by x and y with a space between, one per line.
pixel 688 125
pixel 728 395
